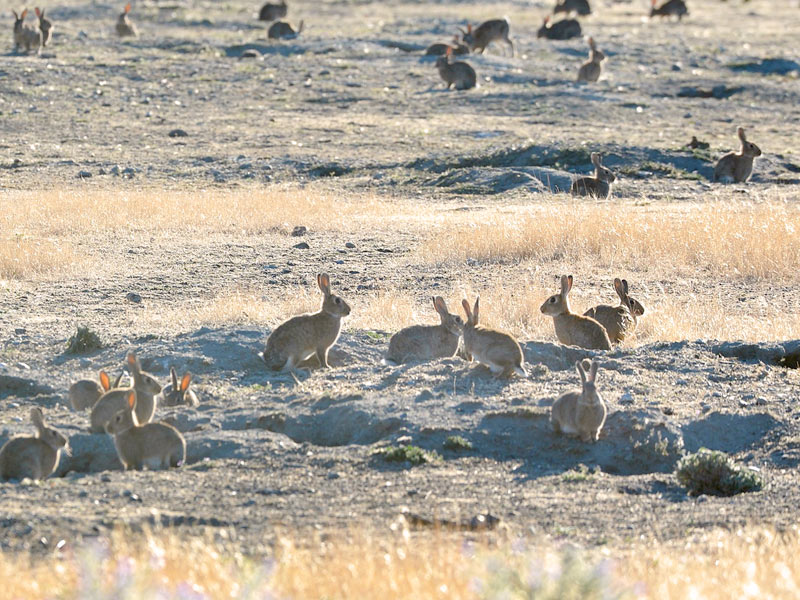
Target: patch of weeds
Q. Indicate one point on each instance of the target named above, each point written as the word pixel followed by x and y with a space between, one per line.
pixel 410 454
pixel 85 340
pixel 378 336
pixel 578 474
pixel 715 473
pixel 456 443
pixel 703 155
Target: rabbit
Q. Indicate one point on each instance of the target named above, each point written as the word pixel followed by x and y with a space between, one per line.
pixel 581 413
pixel 85 393
pixel 456 73
pixel 592 68
pixel 146 387
pixel 152 445
pixel 564 29
pixel 486 33
pixel 25 35
pixel 734 167
pixel 427 342
pixel 573 329
pixel 495 349
pixel 304 336
pixel 440 49
pixel 273 12
pixel 124 26
pixel 175 394
pixel 33 457
pixel 580 7
pixel 670 8
pixel 598 186
pixel 45 26
pixel 620 321
pixel 281 30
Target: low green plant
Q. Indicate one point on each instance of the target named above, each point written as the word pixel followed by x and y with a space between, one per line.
pixel 578 474
pixel 457 443
pixel 85 340
pixel 411 454
pixel 715 473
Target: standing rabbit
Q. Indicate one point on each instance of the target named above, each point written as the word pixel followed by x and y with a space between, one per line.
pixel 85 393
pixel 737 167
pixel 620 321
pixel 45 26
pixel 281 30
pixel 458 74
pixel 564 29
pixel 272 12
pixel 304 336
pixel 152 445
pixel 573 329
pixel 580 7
pixel 670 8
pixel 125 28
pixel 25 35
pixel 32 457
pixel 592 68
pixel 582 413
pixel 598 186
pixel 175 394
pixel 486 33
pixel 495 349
pixel 427 342
pixel 146 387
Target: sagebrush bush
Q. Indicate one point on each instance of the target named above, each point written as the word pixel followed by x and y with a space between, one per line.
pixel 412 454
pixel 715 473
pixel 85 340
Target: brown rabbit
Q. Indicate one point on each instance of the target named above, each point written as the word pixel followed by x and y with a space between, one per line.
pixel 177 394
pixel 427 342
pixel 564 29
pixel 582 413
pixel 573 329
pixel 152 445
pixel 85 393
pixel 304 336
pixel 592 68
pixel 580 7
pixel 458 74
pixel 737 167
pixel 495 349
pixel 273 12
pixel 25 35
pixel 670 8
pixel 620 321
pixel 32 457
pixel 45 26
pixel 486 33
pixel 598 186
pixel 281 30
pixel 124 26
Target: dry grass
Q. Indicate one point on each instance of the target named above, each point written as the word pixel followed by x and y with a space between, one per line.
pixel 22 258
pixel 396 565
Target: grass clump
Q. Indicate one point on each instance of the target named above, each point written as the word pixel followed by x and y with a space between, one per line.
pixel 411 454
pixel 457 443
pixel 85 340
pixel 714 473
pixel 578 474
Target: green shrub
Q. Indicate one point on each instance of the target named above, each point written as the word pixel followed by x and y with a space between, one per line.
pixel 412 454
pixel 85 340
pixel 714 473
pixel 456 443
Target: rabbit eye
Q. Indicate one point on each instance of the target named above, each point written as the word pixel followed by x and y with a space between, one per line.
pixel 338 301
pixel 552 299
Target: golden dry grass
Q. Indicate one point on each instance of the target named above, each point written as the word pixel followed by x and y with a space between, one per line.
pixel 757 563
pixel 22 258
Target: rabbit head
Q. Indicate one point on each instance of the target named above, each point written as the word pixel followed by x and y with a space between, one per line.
pixel 179 392
pixel 621 287
pixel 331 303
pixel 558 304
pixel 143 382
pixel 453 323
pixel 600 171
pixel 748 148
pixel 596 55
pixel 588 372
pixel 124 419
pixel 472 315
pixel 49 436
pixel 123 17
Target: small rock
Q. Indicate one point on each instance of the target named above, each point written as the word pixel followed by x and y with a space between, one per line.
pixel 333 475
pixel 116 170
pixel 299 231
pixel 20 331
pixel 302 246
pixel 102 171
pixel 23 366
pixel 626 398
pixel 128 172
pixel 761 401
pixel 744 403
pixel 105 478
pixel 350 245
pixel 133 297
pixel 667 410
pixel 251 53
pixel 177 133
pixel 84 174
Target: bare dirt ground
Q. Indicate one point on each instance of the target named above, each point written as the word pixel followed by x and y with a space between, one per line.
pixel 348 109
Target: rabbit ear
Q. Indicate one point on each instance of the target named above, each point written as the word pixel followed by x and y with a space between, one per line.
pixel 469 27
pixel 24 14
pixel 596 159
pixel 475 310
pixel 36 10
pixel 653 3
pixel 127 8
pixel 740 133
pixel 467 310
pixel 105 381
pixel 566 284
pixel 625 286
pixel 449 51
pixel 16 16
pixel 593 370
pixel 187 379
pixel 117 380
pixel 133 362
pixel 324 283
pixel 619 288
pixel 131 399
pixel 37 418
pixel 591 43
pixel 174 376
pixel 440 306
pixel 581 371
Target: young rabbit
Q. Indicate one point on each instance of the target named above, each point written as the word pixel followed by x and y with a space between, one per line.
pixel 495 349
pixel 281 30
pixel 152 445
pixel 580 7
pixel 440 49
pixel 124 26
pixel 174 394
pixel 45 26
pixel 737 167
pixel 25 35
pixel 581 413
pixel 304 336
pixel 592 68
pixel 598 186
pixel 564 29
pixel 85 393
pixel 486 33
pixel 146 387
pixel 273 12
pixel 458 74
pixel 32 457
pixel 573 329
pixel 671 8
pixel 620 321
pixel 427 342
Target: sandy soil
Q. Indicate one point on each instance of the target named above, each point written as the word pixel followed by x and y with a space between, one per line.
pixel 358 107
